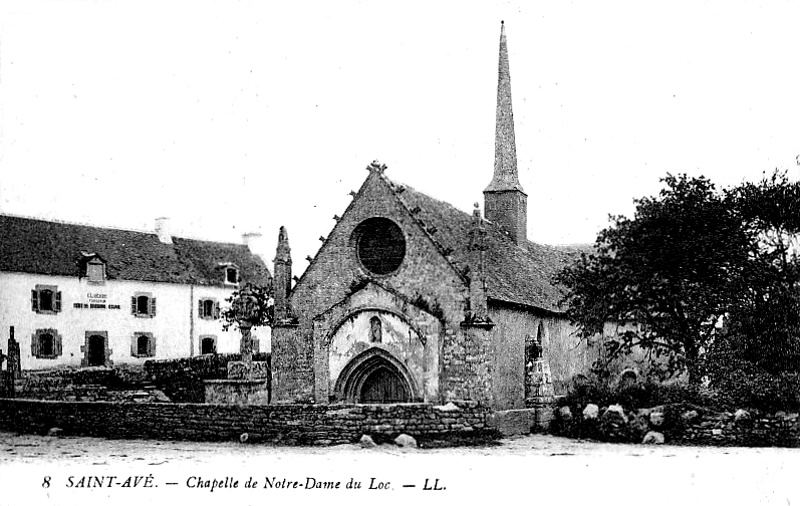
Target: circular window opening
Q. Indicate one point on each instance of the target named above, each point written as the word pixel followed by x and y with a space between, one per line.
pixel 380 245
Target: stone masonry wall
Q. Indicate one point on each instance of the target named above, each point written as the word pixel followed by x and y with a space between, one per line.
pixel 722 429
pixel 424 277
pixel 281 424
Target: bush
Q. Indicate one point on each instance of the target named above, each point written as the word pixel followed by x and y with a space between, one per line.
pixel 674 397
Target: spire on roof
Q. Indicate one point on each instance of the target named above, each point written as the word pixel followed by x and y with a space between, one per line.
pixel 282 276
pixel 505 148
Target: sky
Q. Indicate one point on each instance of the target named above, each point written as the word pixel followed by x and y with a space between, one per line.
pixel 233 117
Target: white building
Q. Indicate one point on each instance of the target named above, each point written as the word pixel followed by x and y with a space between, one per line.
pixel 83 296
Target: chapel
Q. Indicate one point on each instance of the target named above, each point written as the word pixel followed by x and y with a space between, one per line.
pixel 410 299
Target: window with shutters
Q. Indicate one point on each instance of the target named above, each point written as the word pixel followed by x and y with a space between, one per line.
pixel 46 299
pixel 143 305
pixel 208 345
pixel 143 345
pixel 46 344
pixel 208 309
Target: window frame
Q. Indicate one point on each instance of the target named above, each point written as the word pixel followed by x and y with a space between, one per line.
pixel 151 345
pixel 201 308
pixel 369 231
pixel 36 344
pixel 98 263
pixel 36 299
pixel 211 337
pixel 151 305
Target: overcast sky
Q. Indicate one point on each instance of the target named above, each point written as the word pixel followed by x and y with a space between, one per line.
pixel 233 117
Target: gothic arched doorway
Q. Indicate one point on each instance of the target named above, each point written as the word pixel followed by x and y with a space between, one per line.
pixel 375 377
pixel 383 385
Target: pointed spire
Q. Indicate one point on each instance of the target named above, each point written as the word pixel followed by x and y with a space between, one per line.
pixel 505 148
pixel 282 267
pixel 283 253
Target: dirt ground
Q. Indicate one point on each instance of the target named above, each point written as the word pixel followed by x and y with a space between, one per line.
pixel 47 470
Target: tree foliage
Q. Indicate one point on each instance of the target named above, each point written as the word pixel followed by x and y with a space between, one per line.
pixel 757 355
pixel 669 275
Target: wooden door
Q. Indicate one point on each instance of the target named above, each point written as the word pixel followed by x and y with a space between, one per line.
pixel 384 385
pixel 97 350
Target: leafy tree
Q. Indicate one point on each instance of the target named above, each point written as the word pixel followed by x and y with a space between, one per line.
pixel 757 356
pixel 671 273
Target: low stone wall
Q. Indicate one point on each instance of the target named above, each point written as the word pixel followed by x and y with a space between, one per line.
pixel 723 429
pixel 182 379
pixel 680 424
pixel 280 424
pixel 82 384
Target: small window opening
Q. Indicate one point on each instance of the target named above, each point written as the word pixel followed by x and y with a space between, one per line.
pixel 142 304
pixel 47 345
pixel 375 330
pixel 208 345
pixel 46 300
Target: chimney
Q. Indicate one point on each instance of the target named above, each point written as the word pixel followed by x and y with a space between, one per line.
pixel 249 238
pixel 162 230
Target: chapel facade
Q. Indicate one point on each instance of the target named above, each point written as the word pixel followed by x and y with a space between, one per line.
pixel 412 300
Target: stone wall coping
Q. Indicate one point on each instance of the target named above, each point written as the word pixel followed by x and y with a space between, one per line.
pixel 234 382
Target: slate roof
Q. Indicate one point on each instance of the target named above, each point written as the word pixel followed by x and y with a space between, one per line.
pixel 514 274
pixel 45 247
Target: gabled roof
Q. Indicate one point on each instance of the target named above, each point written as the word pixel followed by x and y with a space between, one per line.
pixel 514 274
pixel 54 248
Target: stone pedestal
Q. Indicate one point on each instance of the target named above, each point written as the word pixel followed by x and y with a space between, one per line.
pixel 538 383
pixel 237 391
pixel 247 383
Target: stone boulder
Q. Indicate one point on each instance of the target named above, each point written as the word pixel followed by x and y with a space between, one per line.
pixel 447 407
pixel 615 413
pixel 590 412
pixel 741 416
pixel 367 442
pixel 565 413
pixel 405 441
pixel 656 418
pixel 55 432
pixel 653 438
pixel 639 425
pixel 689 416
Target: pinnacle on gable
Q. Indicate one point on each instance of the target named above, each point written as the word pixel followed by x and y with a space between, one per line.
pixel 377 167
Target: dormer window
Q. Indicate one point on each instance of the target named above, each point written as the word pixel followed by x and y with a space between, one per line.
pixel 94 268
pixel 231 275
pixel 96 271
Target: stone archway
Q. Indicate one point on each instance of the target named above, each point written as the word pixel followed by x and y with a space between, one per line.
pixel 376 377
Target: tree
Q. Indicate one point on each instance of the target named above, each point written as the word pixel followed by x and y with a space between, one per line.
pixel 671 273
pixel 757 355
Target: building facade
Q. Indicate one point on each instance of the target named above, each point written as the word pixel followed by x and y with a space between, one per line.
pixel 412 300
pixel 85 296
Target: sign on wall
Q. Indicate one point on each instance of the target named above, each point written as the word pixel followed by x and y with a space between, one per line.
pixel 95 301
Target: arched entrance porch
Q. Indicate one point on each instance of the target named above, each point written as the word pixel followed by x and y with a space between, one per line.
pixel 376 377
